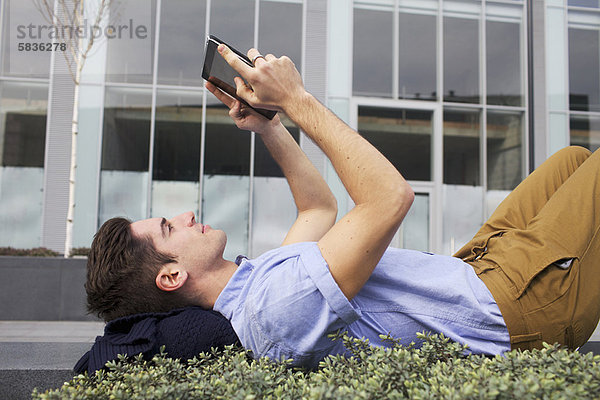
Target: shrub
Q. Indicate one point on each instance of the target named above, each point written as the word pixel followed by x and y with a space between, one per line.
pixel 35 252
pixel 438 369
pixel 80 251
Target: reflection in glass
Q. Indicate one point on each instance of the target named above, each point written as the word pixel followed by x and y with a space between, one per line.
pixel 585 131
pixel 264 165
pixel 461 60
pixel 233 22
pixel 23 110
pixel 125 153
pixel 584 3
pixel 417 59
pixel 462 215
pixel 226 180
pixel 504 150
pixel 403 136
pixel 413 234
pixel 130 56
pixel 31 64
pixel 126 133
pixel 177 136
pixel 176 161
pixel 273 207
pixel 584 64
pixel 461 147
pixel 373 45
pixel 181 44
pixel 227 147
pixel 503 61
pixel 280 29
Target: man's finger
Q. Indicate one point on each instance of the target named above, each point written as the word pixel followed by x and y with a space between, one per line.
pixel 233 60
pixel 242 89
pixel 223 97
pixel 270 57
pixel 255 56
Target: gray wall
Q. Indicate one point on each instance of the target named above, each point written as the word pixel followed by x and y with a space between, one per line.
pixel 43 289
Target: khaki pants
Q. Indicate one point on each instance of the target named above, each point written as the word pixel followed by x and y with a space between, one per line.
pixel 552 216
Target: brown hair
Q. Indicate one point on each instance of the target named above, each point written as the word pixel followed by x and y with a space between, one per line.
pixel 121 274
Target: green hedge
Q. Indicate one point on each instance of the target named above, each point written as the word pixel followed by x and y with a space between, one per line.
pixel 35 252
pixel 436 370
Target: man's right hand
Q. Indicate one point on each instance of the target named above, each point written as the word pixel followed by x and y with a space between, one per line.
pixel 244 117
pixel 273 83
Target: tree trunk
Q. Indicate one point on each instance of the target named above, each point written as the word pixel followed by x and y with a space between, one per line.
pixel 73 169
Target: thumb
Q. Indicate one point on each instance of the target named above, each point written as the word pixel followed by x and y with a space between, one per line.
pixel 243 90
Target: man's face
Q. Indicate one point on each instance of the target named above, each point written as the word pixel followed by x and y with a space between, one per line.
pixel 195 246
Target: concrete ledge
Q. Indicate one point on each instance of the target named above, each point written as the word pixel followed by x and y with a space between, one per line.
pixel 43 289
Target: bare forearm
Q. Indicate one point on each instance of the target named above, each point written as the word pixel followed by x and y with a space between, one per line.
pixel 309 189
pixel 366 174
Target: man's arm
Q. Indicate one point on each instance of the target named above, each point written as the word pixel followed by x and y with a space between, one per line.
pixel 317 207
pixel 354 245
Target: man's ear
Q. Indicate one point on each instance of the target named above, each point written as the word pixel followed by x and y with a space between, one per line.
pixel 170 278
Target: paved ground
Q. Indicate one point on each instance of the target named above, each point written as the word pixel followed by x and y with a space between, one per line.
pixel 41 354
pixel 44 344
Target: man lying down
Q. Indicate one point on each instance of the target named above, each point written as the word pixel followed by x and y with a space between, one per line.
pixel 530 275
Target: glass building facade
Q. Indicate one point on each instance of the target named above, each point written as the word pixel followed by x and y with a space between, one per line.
pixel 464 97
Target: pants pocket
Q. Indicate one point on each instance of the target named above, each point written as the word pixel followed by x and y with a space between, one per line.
pixel 526 342
pixel 548 285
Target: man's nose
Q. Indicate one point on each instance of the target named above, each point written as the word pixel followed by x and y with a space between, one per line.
pixel 186 219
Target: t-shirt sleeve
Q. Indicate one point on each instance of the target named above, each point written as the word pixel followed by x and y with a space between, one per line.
pixel 294 307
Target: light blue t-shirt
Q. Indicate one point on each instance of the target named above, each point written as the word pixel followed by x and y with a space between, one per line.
pixel 284 303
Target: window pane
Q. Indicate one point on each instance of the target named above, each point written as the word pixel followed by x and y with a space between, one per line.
pixel 414 232
pixel 585 131
pixel 373 49
pixel 125 147
pixel 461 60
pixel 504 150
pixel 227 148
pixel 177 136
pixel 264 165
pixel 584 3
pixel 23 110
pixel 503 62
pixel 176 162
pixel 233 22
pixel 462 215
pixel 417 57
pixel 280 30
pixel 21 22
pixel 129 57
pixel 280 33
pixel 126 137
pixel 584 64
pixel 403 136
pixel 181 44
pixel 226 181
pixel 461 147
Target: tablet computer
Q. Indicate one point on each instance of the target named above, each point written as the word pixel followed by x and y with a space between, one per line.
pixel 219 73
